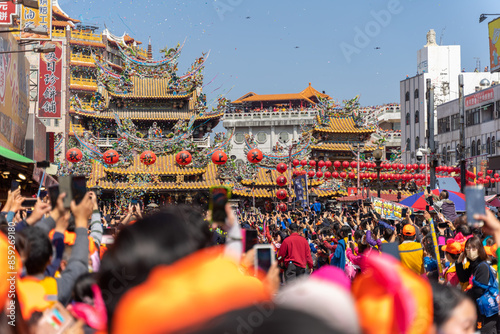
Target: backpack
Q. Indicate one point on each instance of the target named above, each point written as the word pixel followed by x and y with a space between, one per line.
pixel 488 302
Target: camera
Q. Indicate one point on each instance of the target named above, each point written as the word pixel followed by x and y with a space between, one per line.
pixel 419 155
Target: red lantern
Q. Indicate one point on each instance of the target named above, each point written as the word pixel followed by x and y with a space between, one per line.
pixel 343 175
pixel 439 169
pixel 352 175
pixel 111 157
pixel 281 180
pixel 328 164
pixel 354 164
pixel 480 180
pixel 74 155
pixel 479 174
pixel 295 162
pixel 281 194
pixel 345 164
pixel 337 164
pixel 319 174
pixel 281 168
pixel 414 166
pixel 312 163
pixel 303 163
pixel 328 175
pixel 296 173
pixel 493 180
pixel 373 175
pixel 255 156
pixel 496 175
pixel 489 171
pixel 282 207
pixel 303 172
pixel 335 175
pixel 394 166
pixel 421 167
pixel 321 164
pixel 183 158
pixel 219 157
pixel 397 176
pixel 401 166
pixel 408 167
pixel 148 158
pixel 311 173
pixel 497 180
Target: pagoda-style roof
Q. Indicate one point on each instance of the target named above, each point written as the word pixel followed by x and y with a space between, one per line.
pixel 147 115
pixel 165 165
pixel 151 88
pixel 59 13
pixel 340 147
pixel 343 125
pixel 264 178
pixel 307 95
pixel 271 192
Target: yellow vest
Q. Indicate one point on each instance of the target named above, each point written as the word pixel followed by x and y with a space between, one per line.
pixel 412 256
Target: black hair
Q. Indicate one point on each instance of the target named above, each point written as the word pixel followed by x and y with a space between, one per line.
pixel 40 250
pixel 454 257
pixel 428 245
pixel 425 230
pixel 445 300
pixel 159 239
pixel 464 229
pixel 388 233
pixel 82 290
pixel 358 235
pixel 344 231
pixel 445 194
pixel 408 237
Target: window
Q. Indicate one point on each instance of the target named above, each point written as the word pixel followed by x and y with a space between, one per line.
pixel 473 149
pixel 488 146
pixel 415 94
pixel 417 116
pixel 448 154
pixel 417 143
pixel 408 145
pixel 56 123
pixel 455 122
pixel 239 138
pixel 444 125
pixel 493 145
pixel 472 117
pixel 407 96
pixel 497 109
pixel 478 150
pixel 261 137
pixel 407 118
pixel 283 137
pixel 487 112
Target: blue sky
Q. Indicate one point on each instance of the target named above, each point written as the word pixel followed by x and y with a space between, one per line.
pixel 253 42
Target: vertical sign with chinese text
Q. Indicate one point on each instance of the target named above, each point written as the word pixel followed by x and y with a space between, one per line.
pixel 7 11
pixel 49 86
pixel 300 185
pixel 41 17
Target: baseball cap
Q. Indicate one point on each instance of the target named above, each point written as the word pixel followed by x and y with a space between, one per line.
pixel 408 230
pixel 452 247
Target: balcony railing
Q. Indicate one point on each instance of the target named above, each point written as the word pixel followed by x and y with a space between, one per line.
pixel 58 33
pixel 142 52
pixel 83 82
pixel 81 58
pixel 86 36
pixel 271 115
pixel 202 142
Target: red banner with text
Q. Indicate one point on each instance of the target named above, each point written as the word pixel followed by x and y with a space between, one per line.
pixel 49 85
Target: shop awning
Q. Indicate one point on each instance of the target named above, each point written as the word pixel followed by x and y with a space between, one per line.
pixel 6 153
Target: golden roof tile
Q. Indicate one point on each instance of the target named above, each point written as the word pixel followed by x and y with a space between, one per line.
pixel 343 125
pixel 151 88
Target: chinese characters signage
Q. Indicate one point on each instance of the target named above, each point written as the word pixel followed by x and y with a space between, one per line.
pixel 7 10
pixel 479 97
pixel 300 185
pixel 49 85
pixel 494 37
pixel 388 209
pixel 41 17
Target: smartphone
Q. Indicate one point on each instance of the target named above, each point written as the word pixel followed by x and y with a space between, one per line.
pixel 134 201
pixel 404 211
pixel 474 204
pixel 14 185
pixel 264 258
pixel 217 205
pixel 250 239
pixel 109 231
pixel 53 194
pixel 349 237
pixel 428 189
pixel 79 188
pixel 65 187
pixel 427 208
pixel 29 203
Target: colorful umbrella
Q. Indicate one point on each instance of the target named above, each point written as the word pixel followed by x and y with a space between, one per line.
pixel 418 201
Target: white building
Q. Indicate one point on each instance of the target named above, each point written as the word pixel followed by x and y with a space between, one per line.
pixel 442 65
pixel 482 127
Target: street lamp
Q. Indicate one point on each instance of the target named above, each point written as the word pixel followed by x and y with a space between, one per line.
pixel 482 17
pixel 47 48
pixel 377 154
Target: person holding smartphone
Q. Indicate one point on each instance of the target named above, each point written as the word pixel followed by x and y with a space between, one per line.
pixel 295 255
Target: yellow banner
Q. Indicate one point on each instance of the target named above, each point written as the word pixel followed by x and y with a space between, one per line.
pixel 494 36
pixel 38 19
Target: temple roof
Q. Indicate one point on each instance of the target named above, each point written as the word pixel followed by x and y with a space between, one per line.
pixel 343 125
pixel 339 147
pixel 307 94
pixel 56 9
pixel 165 165
pixel 271 193
pixel 151 88
pixel 264 178
pixel 147 115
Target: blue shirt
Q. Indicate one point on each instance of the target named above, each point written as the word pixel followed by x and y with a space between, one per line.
pixel 338 258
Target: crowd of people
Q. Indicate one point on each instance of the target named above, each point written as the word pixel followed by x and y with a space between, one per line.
pixel 339 269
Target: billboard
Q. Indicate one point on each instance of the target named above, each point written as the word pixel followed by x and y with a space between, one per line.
pixel 7 11
pixel 41 17
pixel 49 83
pixel 300 186
pixel 14 92
pixel 494 37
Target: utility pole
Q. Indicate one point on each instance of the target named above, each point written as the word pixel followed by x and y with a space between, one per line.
pixel 461 112
pixel 430 134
